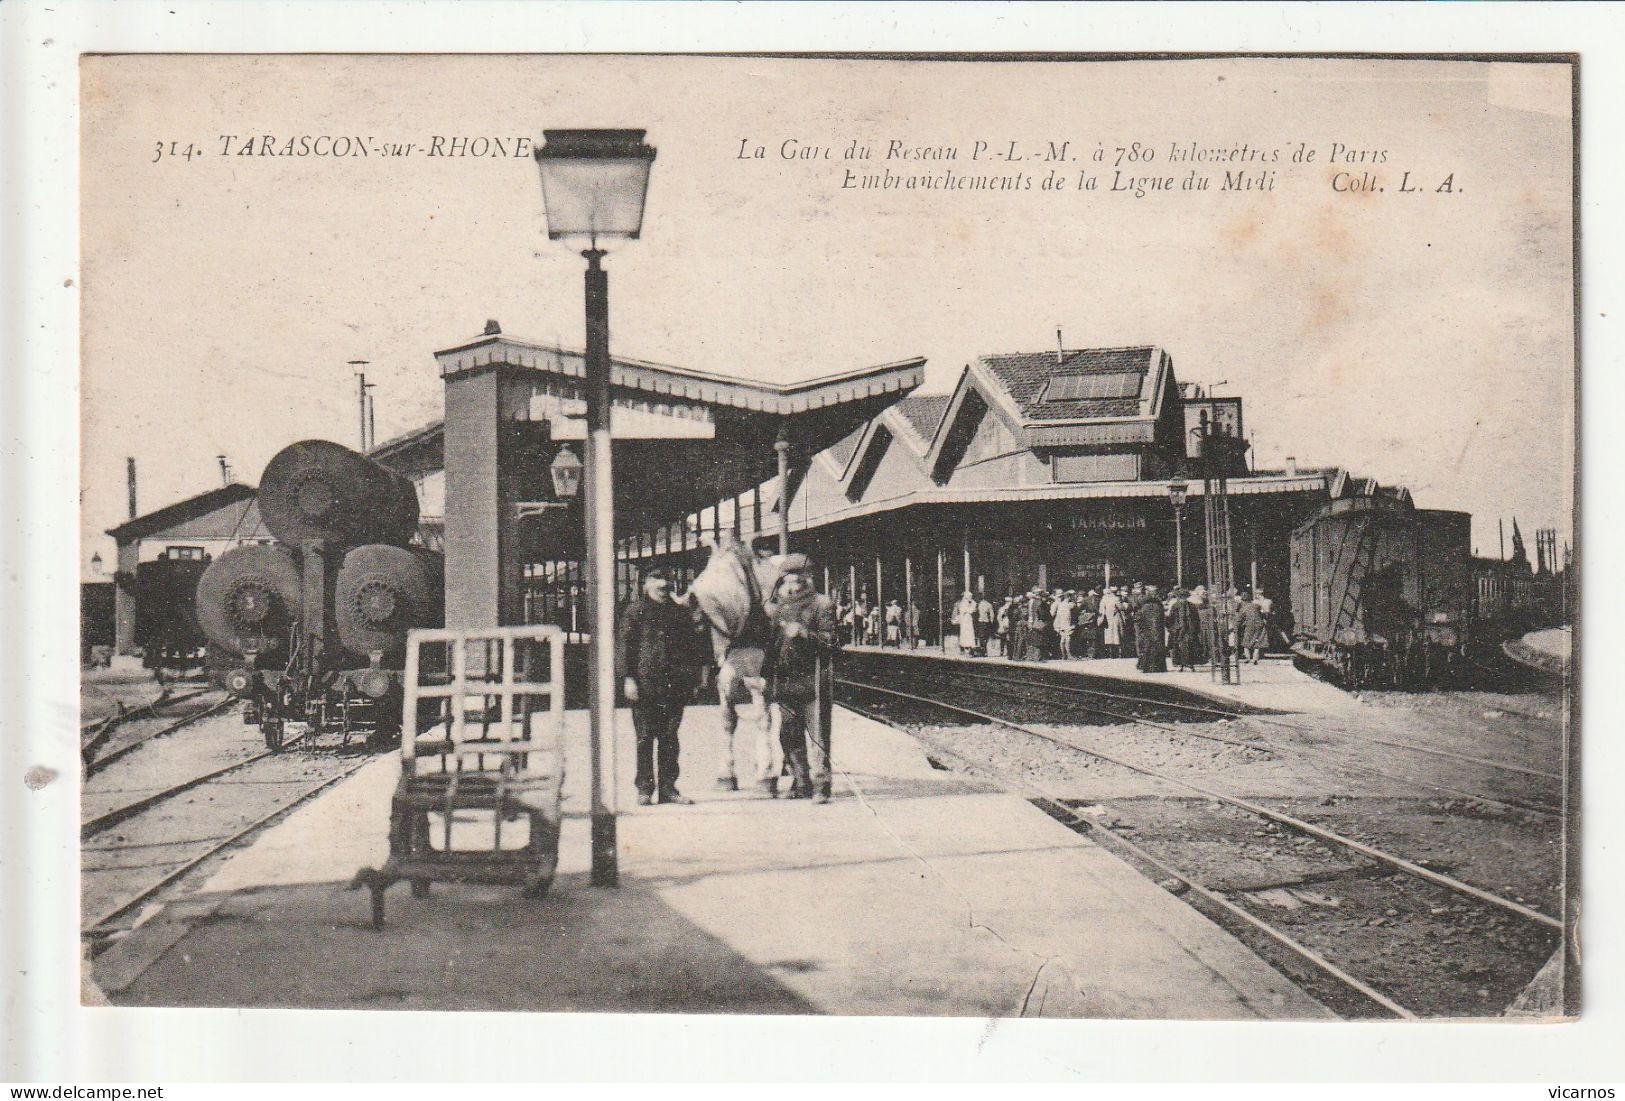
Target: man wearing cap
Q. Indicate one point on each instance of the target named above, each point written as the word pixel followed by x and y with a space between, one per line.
pixel 1184 630
pixel 801 676
pixel 660 649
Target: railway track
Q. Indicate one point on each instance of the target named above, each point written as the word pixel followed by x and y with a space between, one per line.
pixel 135 729
pixel 1340 757
pixel 1392 908
pixel 122 713
pixel 94 734
pixel 161 841
pixel 1174 709
pixel 108 819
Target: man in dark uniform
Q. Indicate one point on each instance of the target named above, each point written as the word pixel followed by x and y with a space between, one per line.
pixel 659 653
pixel 1148 632
pixel 1184 631
pixel 801 676
pixel 1088 619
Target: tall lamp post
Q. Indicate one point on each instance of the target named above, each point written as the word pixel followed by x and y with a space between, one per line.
pixel 1176 495
pixel 594 183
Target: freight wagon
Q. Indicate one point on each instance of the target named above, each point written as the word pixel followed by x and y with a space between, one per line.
pixel 1382 591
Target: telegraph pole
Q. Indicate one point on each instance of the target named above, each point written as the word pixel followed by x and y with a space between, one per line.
pixel 360 367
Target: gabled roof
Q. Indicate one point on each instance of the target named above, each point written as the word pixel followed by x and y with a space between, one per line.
pixel 923 413
pixel 422 449
pixel 1031 378
pixel 194 514
pixel 914 420
pixel 841 454
pixel 1344 485
pixel 1036 395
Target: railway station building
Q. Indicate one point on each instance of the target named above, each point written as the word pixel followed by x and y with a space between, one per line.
pixel 1051 468
pixel 1046 468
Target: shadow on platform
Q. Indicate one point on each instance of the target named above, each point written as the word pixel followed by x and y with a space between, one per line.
pixel 579 949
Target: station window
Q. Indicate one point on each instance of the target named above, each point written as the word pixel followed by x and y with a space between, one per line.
pixel 187 553
pixel 1095 468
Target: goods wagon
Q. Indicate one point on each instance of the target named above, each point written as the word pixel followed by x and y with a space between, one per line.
pixel 1383 592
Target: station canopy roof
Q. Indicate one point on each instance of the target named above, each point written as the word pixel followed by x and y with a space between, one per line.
pixel 683 438
pixel 226 512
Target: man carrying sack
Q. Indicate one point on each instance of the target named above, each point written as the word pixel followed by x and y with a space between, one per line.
pixel 801 676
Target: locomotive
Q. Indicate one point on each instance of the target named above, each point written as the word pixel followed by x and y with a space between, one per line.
pixel 166 627
pixel 312 628
pixel 1382 591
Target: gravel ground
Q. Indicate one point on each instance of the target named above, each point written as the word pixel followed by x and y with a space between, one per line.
pixel 122 859
pixel 102 690
pixel 1431 949
pixel 193 750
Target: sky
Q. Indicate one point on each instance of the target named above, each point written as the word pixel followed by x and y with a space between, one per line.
pixel 1423 337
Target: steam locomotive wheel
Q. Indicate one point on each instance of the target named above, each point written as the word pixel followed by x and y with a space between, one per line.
pixel 272 731
pixel 375 603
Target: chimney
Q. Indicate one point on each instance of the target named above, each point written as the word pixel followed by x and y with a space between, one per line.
pixel 1060 349
pixel 1291 466
pixel 129 477
pixel 225 471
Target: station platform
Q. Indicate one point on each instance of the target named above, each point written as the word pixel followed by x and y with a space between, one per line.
pixel 1274 684
pixel 1550 651
pixel 914 892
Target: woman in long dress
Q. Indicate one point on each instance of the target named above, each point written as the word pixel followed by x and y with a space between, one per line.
pixel 1037 626
pixel 1148 630
pixel 965 616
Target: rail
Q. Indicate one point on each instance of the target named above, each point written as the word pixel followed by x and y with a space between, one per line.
pixel 1398 863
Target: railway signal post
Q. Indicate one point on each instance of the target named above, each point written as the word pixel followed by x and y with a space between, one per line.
pixel 1220 450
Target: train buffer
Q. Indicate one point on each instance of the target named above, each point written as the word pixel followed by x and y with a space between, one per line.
pixel 482 762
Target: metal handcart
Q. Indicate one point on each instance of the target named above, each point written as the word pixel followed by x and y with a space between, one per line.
pixel 482 762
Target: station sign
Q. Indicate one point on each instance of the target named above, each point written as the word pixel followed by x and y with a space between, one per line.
pixel 1105 521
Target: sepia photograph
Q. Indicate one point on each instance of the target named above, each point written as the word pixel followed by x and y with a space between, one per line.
pixel 989 536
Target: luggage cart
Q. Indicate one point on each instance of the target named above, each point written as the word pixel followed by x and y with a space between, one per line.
pixel 482 762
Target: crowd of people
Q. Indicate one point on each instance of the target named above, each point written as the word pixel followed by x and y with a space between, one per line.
pixel 1135 620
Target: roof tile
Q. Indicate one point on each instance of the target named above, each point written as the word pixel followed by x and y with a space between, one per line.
pixel 924 412
pixel 1025 376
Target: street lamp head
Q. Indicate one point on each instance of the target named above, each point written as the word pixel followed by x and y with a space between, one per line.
pixel 594 182
pixel 566 474
pixel 96 563
pixel 1176 493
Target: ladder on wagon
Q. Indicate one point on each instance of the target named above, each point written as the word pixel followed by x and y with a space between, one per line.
pixel 482 762
pixel 1353 576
